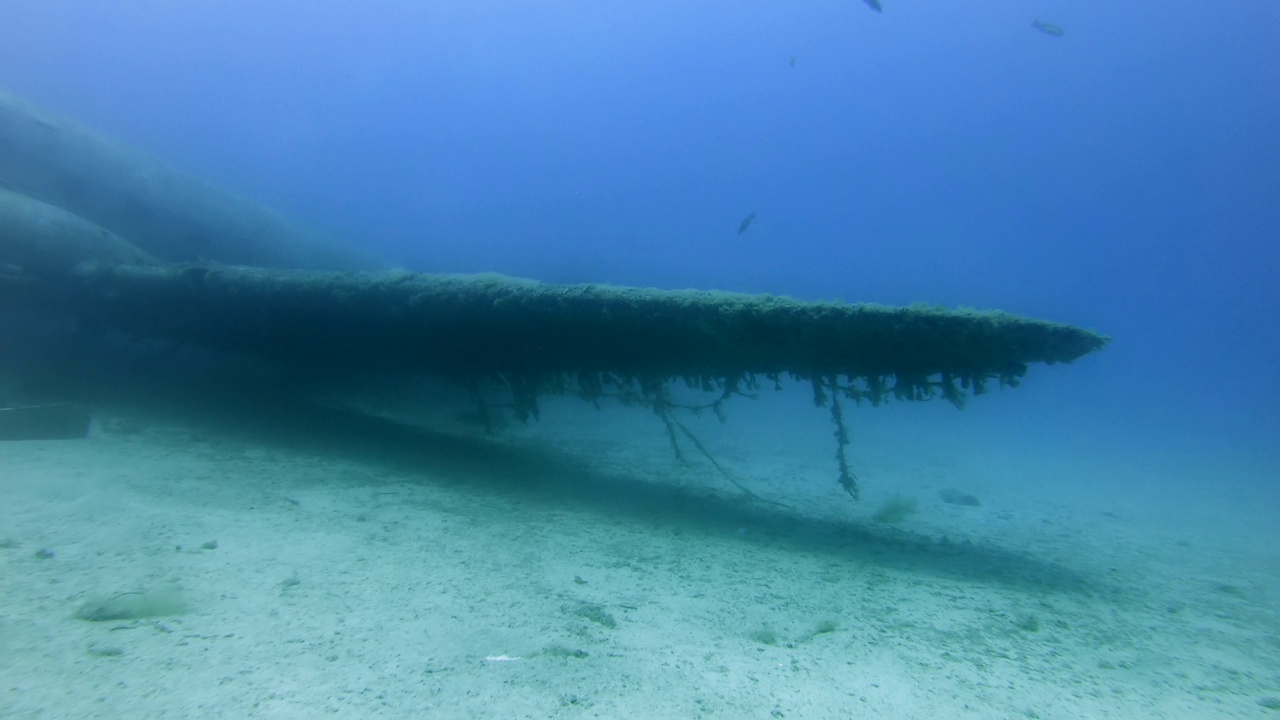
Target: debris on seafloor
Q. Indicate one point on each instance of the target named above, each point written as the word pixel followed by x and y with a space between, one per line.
pixel 951 496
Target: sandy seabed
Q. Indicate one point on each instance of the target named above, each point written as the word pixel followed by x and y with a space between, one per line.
pixel 575 569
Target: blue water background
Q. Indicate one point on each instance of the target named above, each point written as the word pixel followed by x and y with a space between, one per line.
pixel 1125 176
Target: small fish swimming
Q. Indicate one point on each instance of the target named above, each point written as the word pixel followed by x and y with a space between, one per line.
pixel 1047 28
pixel 873 4
pixel 746 223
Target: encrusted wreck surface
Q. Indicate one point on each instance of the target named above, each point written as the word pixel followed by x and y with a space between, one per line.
pixel 482 325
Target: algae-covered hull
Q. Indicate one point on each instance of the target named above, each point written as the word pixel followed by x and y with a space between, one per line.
pixel 487 324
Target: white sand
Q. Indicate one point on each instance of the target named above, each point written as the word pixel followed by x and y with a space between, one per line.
pixel 603 579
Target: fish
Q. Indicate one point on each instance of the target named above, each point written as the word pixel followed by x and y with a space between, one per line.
pixel 746 223
pixel 873 4
pixel 1048 28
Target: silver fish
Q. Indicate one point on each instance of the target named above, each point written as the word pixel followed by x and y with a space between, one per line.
pixel 1048 28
